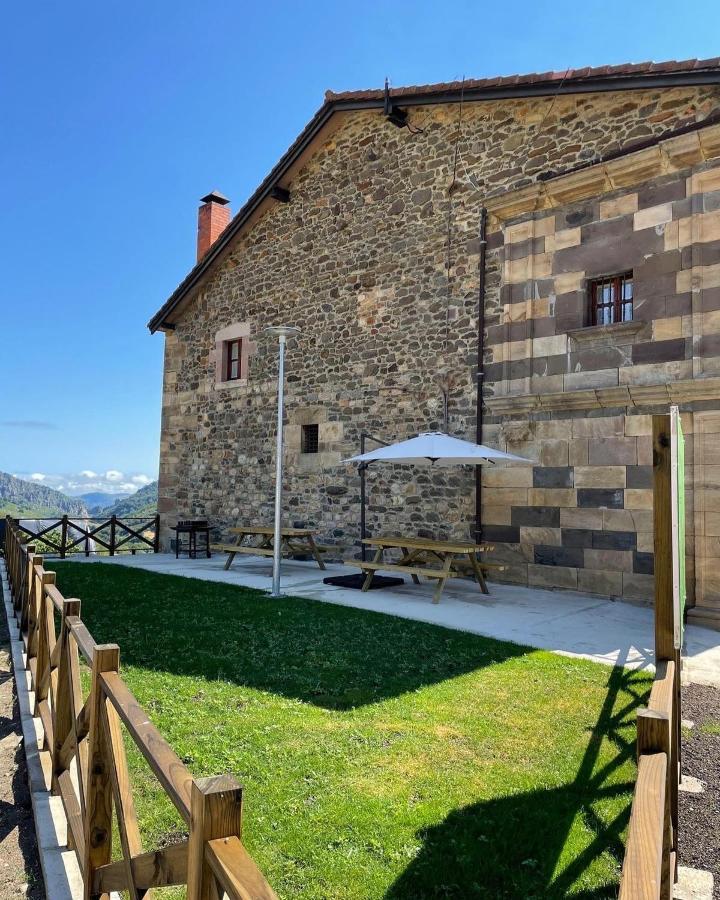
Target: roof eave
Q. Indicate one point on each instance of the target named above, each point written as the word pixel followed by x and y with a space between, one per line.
pixel 595 84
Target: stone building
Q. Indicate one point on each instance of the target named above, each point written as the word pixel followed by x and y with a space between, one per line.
pixel 595 304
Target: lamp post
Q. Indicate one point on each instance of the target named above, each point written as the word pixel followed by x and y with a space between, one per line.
pixel 282 332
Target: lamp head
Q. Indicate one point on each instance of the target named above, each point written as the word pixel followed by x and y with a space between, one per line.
pixel 282 331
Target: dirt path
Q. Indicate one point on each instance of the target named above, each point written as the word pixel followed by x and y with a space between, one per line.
pixel 20 874
pixel 700 813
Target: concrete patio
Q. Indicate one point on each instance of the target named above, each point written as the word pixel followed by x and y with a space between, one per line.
pixel 566 622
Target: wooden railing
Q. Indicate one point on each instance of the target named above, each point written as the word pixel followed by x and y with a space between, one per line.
pixel 84 756
pixel 650 865
pixel 66 535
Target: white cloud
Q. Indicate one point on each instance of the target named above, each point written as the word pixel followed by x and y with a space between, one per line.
pixel 86 481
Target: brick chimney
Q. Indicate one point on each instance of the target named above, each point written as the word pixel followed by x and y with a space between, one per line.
pixel 213 217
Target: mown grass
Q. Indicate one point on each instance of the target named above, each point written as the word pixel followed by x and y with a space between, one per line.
pixel 381 758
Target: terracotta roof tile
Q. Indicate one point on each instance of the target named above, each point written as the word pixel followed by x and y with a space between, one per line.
pixel 573 75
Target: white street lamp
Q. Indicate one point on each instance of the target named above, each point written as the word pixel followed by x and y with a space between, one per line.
pixel 282 332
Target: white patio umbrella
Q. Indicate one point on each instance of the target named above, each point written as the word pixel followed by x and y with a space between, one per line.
pixel 438 449
pixel 432 448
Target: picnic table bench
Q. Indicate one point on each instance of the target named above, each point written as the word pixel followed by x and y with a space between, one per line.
pixel 292 541
pixel 433 559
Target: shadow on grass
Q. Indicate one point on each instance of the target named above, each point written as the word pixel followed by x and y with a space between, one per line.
pixel 533 845
pixel 331 656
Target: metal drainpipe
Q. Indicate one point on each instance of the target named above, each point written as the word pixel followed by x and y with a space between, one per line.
pixel 480 373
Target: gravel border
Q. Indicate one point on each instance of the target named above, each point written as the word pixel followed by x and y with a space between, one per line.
pixel 699 833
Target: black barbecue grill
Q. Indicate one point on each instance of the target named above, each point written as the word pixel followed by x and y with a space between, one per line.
pixel 191 528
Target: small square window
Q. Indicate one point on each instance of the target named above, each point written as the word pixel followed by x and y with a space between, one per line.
pixel 310 438
pixel 233 357
pixel 611 299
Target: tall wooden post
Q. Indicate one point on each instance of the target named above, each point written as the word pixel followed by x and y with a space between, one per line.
pixel 113 529
pixel 215 812
pixel 664 605
pixel 98 799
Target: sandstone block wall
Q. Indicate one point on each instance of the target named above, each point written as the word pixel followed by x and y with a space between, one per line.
pixel 578 398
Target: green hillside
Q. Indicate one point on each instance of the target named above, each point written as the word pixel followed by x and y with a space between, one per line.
pixel 141 504
pixel 30 500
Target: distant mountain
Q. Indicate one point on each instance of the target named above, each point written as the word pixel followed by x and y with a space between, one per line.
pixel 96 501
pixel 30 500
pixel 142 504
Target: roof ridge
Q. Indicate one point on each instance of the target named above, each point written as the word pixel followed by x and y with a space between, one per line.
pixel 586 72
pixel 625 76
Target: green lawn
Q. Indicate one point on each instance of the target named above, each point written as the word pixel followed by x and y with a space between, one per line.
pixel 381 758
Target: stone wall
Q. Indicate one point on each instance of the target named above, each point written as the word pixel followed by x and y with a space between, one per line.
pixel 375 258
pixel 580 397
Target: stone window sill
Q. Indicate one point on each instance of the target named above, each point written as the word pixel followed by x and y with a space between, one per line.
pixel 231 385
pixel 605 334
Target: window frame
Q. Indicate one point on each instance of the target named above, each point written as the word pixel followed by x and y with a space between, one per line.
pixel 618 299
pixel 313 445
pixel 230 359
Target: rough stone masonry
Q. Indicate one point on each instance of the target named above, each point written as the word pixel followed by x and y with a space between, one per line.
pixel 375 258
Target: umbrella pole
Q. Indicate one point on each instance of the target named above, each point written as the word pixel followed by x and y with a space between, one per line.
pixel 364 435
pixel 363 533
pixel 480 368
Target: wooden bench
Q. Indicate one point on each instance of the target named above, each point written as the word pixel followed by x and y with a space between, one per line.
pixel 235 548
pixel 292 542
pixel 421 557
pixel 408 570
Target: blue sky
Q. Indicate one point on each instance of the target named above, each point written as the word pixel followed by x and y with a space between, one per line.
pixel 117 117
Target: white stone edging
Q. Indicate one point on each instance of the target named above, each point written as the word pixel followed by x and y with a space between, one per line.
pixel 61 872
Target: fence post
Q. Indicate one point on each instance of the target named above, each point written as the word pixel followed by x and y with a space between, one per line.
pixel 215 812
pixel 31 613
pixel 98 799
pixel 22 586
pixel 664 606
pixel 65 707
pixel 63 536
pixel 45 621
pixel 113 527
pixel 156 541
pixel 654 731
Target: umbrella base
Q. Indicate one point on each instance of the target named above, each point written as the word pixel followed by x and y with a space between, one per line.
pixel 356 581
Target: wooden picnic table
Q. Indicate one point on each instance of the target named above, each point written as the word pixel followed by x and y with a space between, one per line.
pixel 433 559
pixel 292 541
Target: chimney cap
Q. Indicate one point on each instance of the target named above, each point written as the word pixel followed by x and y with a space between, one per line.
pixel 215 197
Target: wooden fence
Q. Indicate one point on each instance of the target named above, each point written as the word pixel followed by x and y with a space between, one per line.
pixel 66 535
pixel 83 755
pixel 650 866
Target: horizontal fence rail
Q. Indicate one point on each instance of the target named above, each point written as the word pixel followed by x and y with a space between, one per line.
pixel 83 753
pixel 67 535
